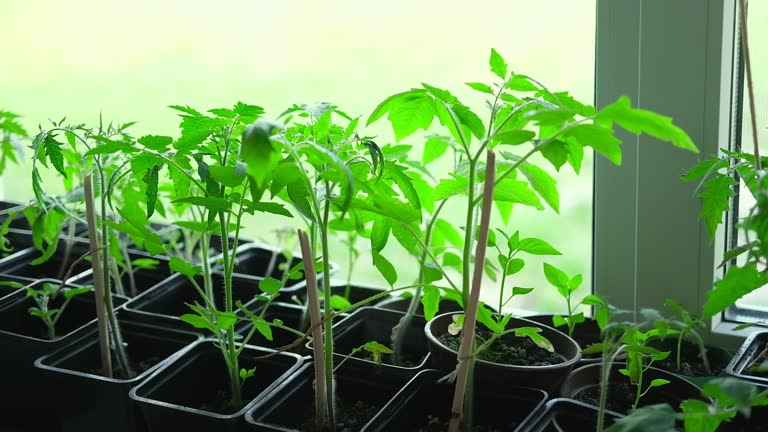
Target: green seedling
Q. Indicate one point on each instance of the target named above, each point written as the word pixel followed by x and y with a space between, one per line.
pixel 627 337
pixel 687 327
pixel 725 399
pixel 48 307
pixel 566 286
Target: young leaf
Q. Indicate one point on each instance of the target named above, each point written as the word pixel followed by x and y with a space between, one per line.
pixel 536 246
pixel 532 333
pixel 74 292
pixel 339 302
pixel 270 285
pixel 498 65
pixel 430 299
pixel 641 121
pixel 513 137
pixel 380 233
pixel 151 179
pixel 516 191
pixel 433 149
pixel 738 282
pixel 717 198
pixel 557 278
pixel 178 265
pixel 599 138
pixel 482 88
pixel 385 267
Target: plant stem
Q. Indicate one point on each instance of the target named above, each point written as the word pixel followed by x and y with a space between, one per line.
pixel 114 326
pixel 67 245
pixel 468 233
pixel 234 368
pixel 679 349
pixel 321 401
pixel 129 270
pixel 328 336
pixel 98 280
pixel 462 399
pixel 401 329
pixel 608 359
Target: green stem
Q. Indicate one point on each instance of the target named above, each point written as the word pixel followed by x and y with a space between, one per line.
pixel 236 400
pixel 468 234
pixel 679 349
pixel 401 329
pixel 328 333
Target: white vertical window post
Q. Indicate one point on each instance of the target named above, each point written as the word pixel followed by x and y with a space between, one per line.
pixel 673 57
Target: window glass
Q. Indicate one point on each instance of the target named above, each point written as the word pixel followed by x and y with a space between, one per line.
pixel 758 46
pixel 128 60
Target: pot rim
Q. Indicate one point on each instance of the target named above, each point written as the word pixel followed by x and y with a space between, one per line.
pixel 133 394
pixel 567 363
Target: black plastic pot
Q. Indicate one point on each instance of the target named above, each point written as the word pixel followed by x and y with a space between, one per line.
pixel 586 380
pixel 499 376
pixel 718 359
pixel 144 279
pixel 757 422
pixel 290 315
pixel 174 397
pixel 6 290
pixel 56 267
pixel 401 304
pixel 372 324
pixel 164 304
pixel 753 350
pixel 23 339
pixel 20 241
pixel 585 334
pixel 86 400
pixel 253 262
pixel 361 388
pixel 355 293
pixel 566 415
pixel 5 206
pixel 424 399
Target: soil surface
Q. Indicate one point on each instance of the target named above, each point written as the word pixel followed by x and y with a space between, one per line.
pixel 219 404
pixel 690 366
pixel 437 424
pixel 350 416
pixel 621 396
pixel 138 367
pixel 510 350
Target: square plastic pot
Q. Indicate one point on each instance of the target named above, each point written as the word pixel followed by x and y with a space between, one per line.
pixel 8 290
pixel 87 401
pixel 372 324
pixel 566 415
pixel 168 300
pixel 178 395
pixel 24 337
pixel 143 279
pixel 56 267
pixel 361 390
pixel 752 349
pixel 426 399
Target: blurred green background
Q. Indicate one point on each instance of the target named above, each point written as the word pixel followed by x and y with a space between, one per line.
pixel 128 60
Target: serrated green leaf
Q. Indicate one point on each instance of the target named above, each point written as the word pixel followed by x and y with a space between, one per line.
pixel 450 187
pixel 737 282
pixel 516 191
pixel 599 138
pixel 214 204
pixel 513 137
pixel 433 149
pixel 716 201
pixel 151 185
pixel 385 267
pixel 543 184
pixel 430 298
pixel 556 152
pixel 537 246
pixel 497 64
pixel 270 285
pixel 178 265
pixel 642 121
pixel 482 88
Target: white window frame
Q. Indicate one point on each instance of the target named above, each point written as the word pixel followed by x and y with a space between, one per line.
pixel 675 57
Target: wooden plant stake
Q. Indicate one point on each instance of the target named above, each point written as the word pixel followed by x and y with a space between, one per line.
pixel 321 404
pixel 466 360
pixel 98 279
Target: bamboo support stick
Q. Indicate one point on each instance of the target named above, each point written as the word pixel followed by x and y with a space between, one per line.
pixel 470 313
pixel 98 279
pixel 321 404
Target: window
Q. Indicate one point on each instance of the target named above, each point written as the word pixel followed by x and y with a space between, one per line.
pixel 130 61
pixel 757 301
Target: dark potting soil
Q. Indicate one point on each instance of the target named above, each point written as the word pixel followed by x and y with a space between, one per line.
pixel 220 403
pixel 408 359
pixel 690 366
pixel 137 366
pixel 350 416
pixel 437 424
pixel 509 350
pixel 620 398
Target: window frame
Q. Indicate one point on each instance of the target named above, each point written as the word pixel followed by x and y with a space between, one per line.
pixel 648 241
